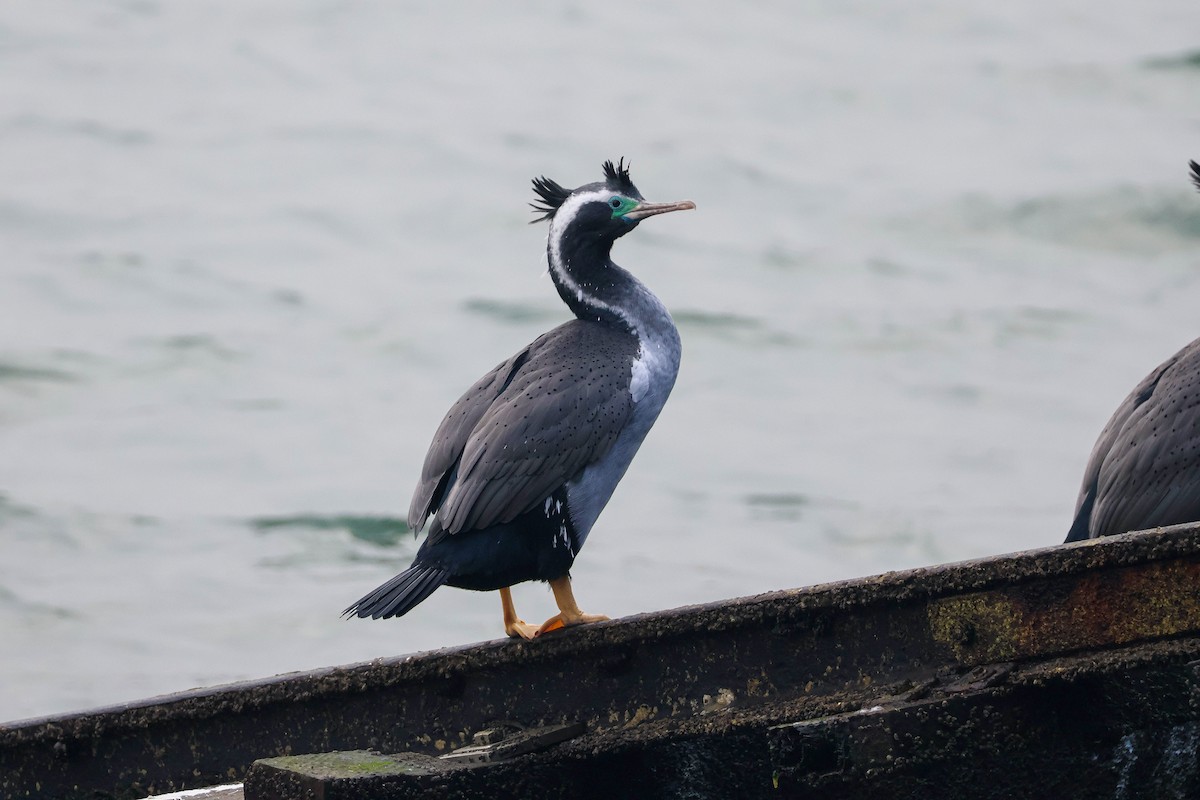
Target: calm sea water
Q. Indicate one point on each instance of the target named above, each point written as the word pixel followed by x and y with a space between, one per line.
pixel 251 251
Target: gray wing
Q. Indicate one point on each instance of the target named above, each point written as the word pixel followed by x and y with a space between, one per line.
pixel 529 426
pixel 1145 468
pixel 452 434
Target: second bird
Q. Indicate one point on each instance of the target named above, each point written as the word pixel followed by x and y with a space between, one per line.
pixel 1144 471
pixel 525 461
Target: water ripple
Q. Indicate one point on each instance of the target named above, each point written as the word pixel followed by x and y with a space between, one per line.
pixel 380 530
pixel 1127 219
pixel 1189 60
pixel 510 312
pixel 11 372
pixel 734 327
pixel 83 128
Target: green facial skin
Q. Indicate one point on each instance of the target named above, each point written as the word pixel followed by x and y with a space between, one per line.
pixel 626 206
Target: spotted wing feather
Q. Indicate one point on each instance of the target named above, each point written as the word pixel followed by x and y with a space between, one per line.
pixel 560 409
pixel 452 435
pixel 1145 468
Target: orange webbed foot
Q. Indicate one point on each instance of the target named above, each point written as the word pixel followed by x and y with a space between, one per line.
pixel 514 626
pixel 520 629
pixel 560 621
pixel 569 614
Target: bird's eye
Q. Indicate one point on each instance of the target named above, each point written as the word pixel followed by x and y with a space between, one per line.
pixel 615 202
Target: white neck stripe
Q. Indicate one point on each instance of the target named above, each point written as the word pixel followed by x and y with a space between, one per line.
pixel 559 223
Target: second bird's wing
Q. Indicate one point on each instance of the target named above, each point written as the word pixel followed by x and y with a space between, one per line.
pixel 1145 470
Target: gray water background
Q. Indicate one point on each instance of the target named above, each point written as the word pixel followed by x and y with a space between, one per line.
pixel 251 251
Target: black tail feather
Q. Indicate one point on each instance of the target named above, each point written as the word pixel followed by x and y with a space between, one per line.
pixel 399 595
pixel 1081 528
pixel 1195 173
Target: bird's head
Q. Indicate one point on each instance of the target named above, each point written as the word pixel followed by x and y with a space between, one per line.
pixel 605 210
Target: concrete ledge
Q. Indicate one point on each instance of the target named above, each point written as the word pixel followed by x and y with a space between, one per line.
pixel 641 681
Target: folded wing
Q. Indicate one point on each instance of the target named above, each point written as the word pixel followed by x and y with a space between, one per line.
pixel 527 427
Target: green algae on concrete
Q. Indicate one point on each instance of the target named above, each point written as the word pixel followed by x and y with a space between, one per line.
pixel 349 764
pixel 1156 600
pixel 342 773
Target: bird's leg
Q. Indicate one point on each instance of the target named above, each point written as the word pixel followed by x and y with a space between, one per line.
pixel 513 625
pixel 569 613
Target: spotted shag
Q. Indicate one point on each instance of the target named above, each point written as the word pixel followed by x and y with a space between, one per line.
pixel 525 461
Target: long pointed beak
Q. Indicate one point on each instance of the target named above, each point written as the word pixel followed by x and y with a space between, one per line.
pixel 644 210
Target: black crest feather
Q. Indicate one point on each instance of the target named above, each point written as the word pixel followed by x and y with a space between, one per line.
pixel 551 195
pixel 1195 173
pixel 618 177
